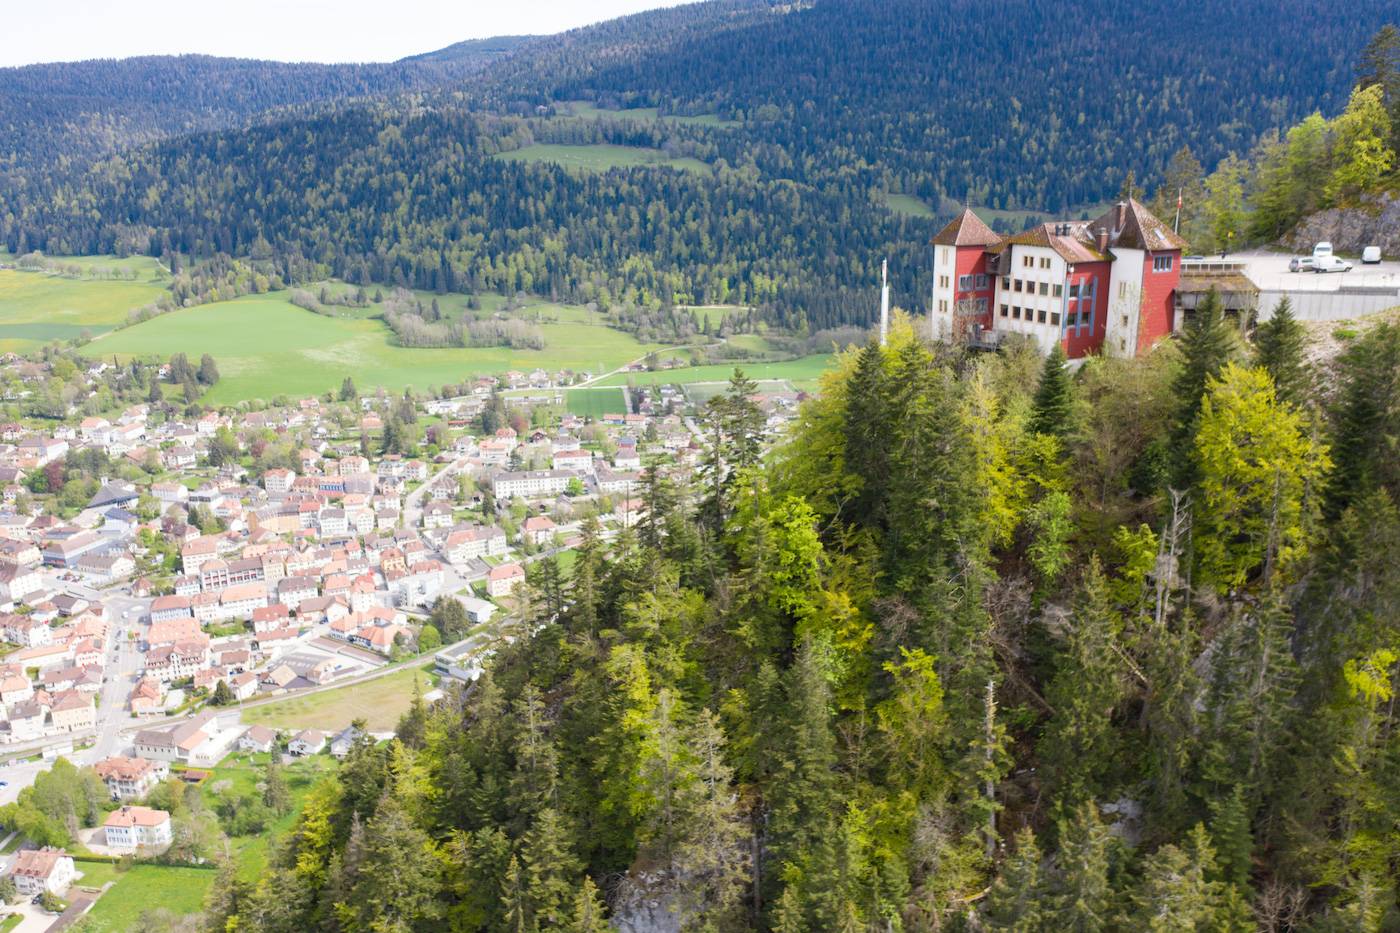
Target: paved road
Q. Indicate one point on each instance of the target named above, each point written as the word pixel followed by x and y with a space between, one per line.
pixel 413 502
pixel 1269 271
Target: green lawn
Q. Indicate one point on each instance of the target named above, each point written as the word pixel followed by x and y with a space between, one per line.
pixel 265 346
pixel 36 307
pixel 600 158
pixel 380 702
pixel 908 205
pixel 594 403
pixel 245 771
pixel 147 887
pixel 803 370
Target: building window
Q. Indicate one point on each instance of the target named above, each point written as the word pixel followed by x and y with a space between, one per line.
pixel 1073 292
pixel 1045 288
pixel 981 282
pixel 1003 310
pixel 1162 263
pixel 942 281
pixel 943 306
pixel 1045 262
pixel 1040 317
pixel 1028 262
pixel 1055 318
pixel 964 283
pixel 1018 285
pixel 1006 281
pixel 1059 290
pixel 1016 312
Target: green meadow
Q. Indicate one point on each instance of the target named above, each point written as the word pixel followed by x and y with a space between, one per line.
pixel 908 205
pixel 265 346
pixel 145 887
pixel 37 307
pixel 594 403
pixel 586 110
pixel 600 158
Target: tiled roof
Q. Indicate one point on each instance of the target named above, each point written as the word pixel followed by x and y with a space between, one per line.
pixel 966 229
pixel 1132 226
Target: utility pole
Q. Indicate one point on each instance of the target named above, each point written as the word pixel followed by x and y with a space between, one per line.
pixel 884 301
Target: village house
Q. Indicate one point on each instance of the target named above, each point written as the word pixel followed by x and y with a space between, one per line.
pixel 130 778
pixel 130 828
pixel 258 738
pixel 502 580
pixel 306 742
pixel 38 870
pixel 466 544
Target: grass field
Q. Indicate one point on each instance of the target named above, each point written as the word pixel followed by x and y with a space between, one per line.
pixel 802 370
pixel 265 347
pixel 586 110
pixel 36 307
pixel 601 157
pixel 593 403
pixel 244 772
pixel 147 887
pixel 698 393
pixel 908 205
pixel 380 702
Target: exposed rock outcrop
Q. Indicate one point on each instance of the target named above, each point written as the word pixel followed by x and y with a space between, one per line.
pixel 1352 229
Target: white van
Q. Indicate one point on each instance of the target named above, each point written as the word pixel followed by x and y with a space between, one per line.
pixel 1371 255
pixel 1322 250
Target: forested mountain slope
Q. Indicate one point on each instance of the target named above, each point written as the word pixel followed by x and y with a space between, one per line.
pixel 67 111
pixel 973 650
pixel 830 107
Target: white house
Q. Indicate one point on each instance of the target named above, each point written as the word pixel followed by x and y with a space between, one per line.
pixel 130 828
pixel 38 870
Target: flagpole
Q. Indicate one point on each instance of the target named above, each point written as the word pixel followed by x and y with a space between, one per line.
pixel 1176 224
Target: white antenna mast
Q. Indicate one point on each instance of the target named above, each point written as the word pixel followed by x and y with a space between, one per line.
pixel 884 301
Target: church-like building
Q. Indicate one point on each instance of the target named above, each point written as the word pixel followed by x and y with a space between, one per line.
pixel 1094 286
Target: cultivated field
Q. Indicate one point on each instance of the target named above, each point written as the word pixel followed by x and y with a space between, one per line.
pixel 265 347
pixel 600 158
pixel 37 307
pixel 380 702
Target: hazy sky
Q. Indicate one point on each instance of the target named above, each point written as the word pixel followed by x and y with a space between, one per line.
pixel 286 30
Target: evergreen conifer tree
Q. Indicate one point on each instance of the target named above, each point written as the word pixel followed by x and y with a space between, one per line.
pixel 1053 401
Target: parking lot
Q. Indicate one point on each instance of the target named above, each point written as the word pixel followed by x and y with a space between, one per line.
pixel 1270 272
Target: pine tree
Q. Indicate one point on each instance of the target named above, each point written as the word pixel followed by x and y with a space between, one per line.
pixel 1175 892
pixel 589 914
pixel 1207 344
pixel 1081 899
pixel 276 795
pixel 1053 401
pixel 1280 348
pixel 348 392
pixel 867 436
pixel 1014 902
pixel 550 871
pixel 1080 742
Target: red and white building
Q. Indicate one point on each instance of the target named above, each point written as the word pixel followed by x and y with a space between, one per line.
pixel 1101 286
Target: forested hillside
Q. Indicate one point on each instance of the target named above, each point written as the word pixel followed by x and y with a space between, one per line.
pixel 983 646
pixel 67 112
pixel 827 108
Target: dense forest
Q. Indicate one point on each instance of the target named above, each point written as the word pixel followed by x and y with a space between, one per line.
pixel 982 645
pixel 829 107
pixel 67 113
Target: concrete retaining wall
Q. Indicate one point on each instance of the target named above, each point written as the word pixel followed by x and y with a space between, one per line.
pixel 1330 305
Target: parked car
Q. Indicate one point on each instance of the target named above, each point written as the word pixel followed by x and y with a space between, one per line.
pixel 1331 264
pixel 1300 264
pixel 1371 255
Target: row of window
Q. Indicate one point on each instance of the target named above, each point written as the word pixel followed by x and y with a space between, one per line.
pixel 1030 262
pixel 969 283
pixel 1162 263
pixel 1030 288
pixel 1041 316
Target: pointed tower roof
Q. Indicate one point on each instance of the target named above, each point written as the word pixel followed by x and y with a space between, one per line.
pixel 966 229
pixel 1132 226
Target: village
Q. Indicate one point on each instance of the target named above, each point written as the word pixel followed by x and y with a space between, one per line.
pixel 143 625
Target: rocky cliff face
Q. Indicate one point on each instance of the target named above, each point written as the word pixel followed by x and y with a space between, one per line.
pixel 1352 229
